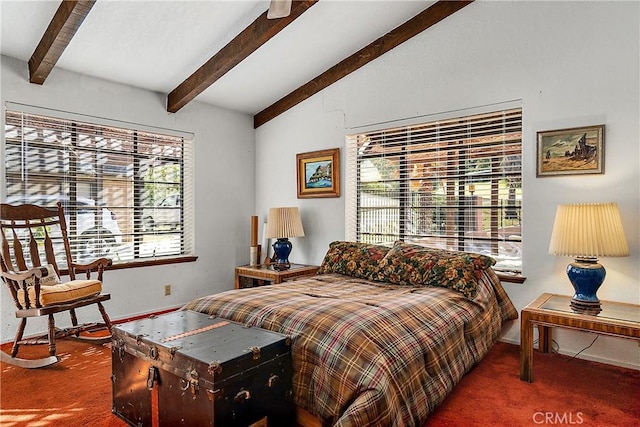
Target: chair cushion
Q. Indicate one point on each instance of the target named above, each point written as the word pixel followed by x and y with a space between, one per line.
pixel 63 292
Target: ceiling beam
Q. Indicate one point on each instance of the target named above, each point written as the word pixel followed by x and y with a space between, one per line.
pixel 425 19
pixel 244 44
pixel 56 38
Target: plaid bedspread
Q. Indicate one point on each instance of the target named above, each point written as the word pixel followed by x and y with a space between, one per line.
pixel 370 354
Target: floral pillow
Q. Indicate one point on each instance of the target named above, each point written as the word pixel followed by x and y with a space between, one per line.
pixel 407 264
pixel 353 259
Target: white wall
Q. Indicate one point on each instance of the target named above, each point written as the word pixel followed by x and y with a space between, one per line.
pixel 570 63
pixel 224 193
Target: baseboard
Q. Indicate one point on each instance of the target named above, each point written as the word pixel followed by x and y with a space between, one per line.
pixel 589 357
pixel 145 315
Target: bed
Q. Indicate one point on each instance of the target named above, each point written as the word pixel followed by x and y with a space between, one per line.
pixel 380 336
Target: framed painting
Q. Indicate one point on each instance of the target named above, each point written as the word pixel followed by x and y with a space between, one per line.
pixel 574 151
pixel 319 174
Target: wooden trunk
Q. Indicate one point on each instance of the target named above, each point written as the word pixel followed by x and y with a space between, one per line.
pixel 186 368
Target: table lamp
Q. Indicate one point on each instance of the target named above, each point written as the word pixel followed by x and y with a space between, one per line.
pixel 586 232
pixel 283 223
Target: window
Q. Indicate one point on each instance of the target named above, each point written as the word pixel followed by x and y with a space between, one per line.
pixel 126 191
pixel 452 184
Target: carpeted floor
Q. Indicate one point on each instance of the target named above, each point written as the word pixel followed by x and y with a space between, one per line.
pixel 77 392
pixel 565 391
pixel 74 392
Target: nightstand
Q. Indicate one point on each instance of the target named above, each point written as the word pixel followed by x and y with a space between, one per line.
pixel 248 276
pixel 549 310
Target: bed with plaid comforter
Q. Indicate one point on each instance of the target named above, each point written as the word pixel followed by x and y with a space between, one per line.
pixel 367 353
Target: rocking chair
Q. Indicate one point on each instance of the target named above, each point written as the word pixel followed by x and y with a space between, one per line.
pixel 28 233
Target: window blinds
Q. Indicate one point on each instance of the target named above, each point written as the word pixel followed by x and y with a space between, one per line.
pixel 127 192
pixel 453 184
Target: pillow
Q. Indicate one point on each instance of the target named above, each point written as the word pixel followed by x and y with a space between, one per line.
pixel 353 259
pixel 49 276
pixel 414 265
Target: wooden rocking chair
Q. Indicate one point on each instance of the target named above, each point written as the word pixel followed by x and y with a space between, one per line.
pixel 29 233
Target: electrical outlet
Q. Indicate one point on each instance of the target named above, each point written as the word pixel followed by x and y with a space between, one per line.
pixel 167 290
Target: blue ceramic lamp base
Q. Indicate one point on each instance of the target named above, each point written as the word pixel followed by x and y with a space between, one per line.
pixel 282 248
pixel 586 276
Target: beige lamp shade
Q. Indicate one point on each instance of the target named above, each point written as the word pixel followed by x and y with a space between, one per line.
pixel 589 230
pixel 284 223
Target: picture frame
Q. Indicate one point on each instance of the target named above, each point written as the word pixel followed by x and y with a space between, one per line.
pixel 572 151
pixel 318 173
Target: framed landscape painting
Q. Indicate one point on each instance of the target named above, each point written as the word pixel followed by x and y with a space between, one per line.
pixel 319 174
pixel 574 151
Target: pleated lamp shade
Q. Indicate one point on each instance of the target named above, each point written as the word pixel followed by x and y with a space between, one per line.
pixel 588 231
pixel 284 223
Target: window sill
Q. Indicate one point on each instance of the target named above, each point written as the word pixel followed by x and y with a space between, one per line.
pixel 510 277
pixel 146 263
pixel 150 262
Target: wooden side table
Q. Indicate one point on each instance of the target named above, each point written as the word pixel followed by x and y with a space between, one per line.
pixel 548 310
pixel 264 273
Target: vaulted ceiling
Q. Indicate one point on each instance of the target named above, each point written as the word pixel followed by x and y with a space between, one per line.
pixel 225 53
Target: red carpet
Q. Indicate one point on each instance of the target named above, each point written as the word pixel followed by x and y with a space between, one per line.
pixel 77 392
pixel 74 392
pixel 565 391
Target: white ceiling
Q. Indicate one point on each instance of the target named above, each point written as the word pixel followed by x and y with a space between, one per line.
pixel 156 45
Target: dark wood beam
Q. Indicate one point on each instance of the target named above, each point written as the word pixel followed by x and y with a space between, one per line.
pixel 56 38
pixel 425 19
pixel 238 49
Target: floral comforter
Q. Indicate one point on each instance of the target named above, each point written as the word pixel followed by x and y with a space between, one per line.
pixel 368 353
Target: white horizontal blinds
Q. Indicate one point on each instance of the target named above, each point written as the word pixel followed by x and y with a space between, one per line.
pixel 453 184
pixel 107 177
pixel 162 165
